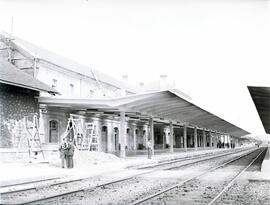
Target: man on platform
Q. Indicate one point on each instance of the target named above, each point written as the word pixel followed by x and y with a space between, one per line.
pixel 70 153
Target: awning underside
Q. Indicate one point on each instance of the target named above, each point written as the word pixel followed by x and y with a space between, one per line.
pixel 169 105
pixel 261 99
pixel 164 104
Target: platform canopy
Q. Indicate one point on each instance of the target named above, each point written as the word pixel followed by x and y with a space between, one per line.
pixel 167 105
pixel 261 99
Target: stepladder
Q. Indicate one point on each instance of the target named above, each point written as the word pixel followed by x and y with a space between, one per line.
pixel 91 137
pixel 74 131
pixel 28 136
pixel 84 135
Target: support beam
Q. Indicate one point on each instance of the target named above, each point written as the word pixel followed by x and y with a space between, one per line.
pixel 109 136
pixel 152 139
pixel 185 137
pixel 216 134
pixel 122 136
pixel 210 138
pixel 237 142
pixel 145 135
pixel 232 141
pixel 171 137
pixel 204 139
pixel 222 140
pixel 134 138
pixel 163 139
pixel 195 138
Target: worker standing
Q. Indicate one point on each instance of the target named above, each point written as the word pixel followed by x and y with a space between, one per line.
pixel 70 153
pixel 63 152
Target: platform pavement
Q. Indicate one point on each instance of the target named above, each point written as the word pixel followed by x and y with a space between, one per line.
pixel 264 174
pixel 266 162
pixel 12 173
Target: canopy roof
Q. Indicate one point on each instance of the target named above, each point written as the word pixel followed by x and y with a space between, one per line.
pixel 261 99
pixel 11 75
pixel 166 104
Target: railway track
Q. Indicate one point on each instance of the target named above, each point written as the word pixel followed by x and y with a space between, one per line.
pixel 232 182
pixel 24 186
pixel 149 199
pixel 180 159
pixel 91 186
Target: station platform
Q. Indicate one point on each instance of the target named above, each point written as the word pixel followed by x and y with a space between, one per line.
pixel 266 162
pixel 95 163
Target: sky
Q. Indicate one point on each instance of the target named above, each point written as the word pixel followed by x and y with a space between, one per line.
pixel 211 49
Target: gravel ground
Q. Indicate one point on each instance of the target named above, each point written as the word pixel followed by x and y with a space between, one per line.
pixel 202 190
pixel 249 189
pixel 44 191
pixel 119 193
pixel 138 187
pixel 127 191
pixel 248 192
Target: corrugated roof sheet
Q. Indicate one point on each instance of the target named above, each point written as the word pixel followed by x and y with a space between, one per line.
pixel 9 74
pixel 170 105
pixel 166 104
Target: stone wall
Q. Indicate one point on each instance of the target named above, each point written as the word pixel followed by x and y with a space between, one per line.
pixel 15 103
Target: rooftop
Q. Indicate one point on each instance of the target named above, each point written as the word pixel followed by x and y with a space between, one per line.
pixel 167 105
pixel 33 51
pixel 11 75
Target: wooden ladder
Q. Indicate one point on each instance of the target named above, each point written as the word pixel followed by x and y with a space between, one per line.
pixel 91 137
pixel 32 135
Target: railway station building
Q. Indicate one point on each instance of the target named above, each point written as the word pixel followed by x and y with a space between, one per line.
pixel 124 118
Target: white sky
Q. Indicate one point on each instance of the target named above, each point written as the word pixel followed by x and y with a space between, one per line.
pixel 212 49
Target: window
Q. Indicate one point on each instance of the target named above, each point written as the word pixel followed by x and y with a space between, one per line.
pixel 53 132
pixel 104 129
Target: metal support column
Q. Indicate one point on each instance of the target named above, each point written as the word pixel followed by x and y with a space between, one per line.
pixel 210 138
pixel 185 137
pixel 109 136
pixel 163 139
pixel 134 138
pixel 171 137
pixel 122 136
pixel 152 139
pixel 204 139
pixel 215 140
pixel 195 138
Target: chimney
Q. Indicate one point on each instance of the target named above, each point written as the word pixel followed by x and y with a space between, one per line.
pixel 125 81
pixel 141 87
pixel 125 78
pixel 163 84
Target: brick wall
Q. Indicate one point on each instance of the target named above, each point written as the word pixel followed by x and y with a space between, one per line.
pixel 15 103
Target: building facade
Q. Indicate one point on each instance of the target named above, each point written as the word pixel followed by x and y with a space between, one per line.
pixel 76 82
